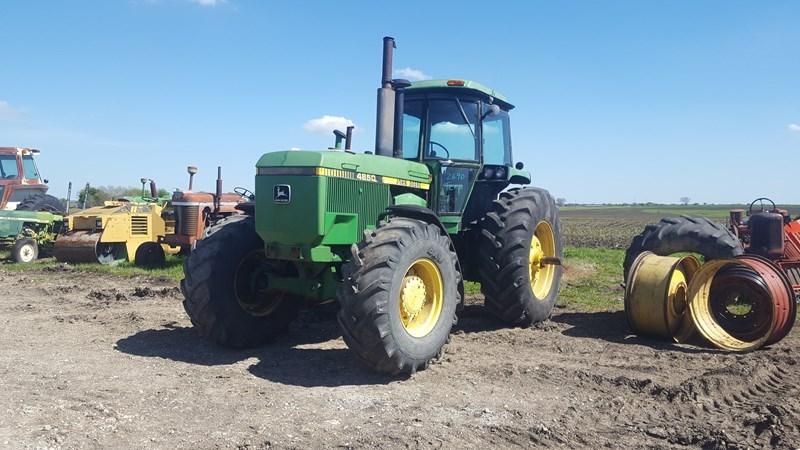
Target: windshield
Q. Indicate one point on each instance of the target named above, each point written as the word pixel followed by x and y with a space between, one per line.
pixel 452 130
pixel 29 167
pixel 8 167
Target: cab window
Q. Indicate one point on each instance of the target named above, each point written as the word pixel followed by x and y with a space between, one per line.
pixel 496 139
pixel 452 130
pixel 29 167
pixel 8 167
pixel 412 127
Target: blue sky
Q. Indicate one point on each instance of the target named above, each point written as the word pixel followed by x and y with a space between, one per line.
pixel 616 101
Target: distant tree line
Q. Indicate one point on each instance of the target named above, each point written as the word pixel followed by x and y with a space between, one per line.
pixel 96 195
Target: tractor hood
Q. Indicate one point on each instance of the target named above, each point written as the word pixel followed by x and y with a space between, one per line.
pixel 344 164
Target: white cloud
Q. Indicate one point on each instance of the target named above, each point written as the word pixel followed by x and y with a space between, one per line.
pixel 208 2
pixel 794 127
pixel 326 124
pixel 411 74
pixel 8 112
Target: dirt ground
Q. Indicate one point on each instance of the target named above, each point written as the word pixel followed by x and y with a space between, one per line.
pixel 90 361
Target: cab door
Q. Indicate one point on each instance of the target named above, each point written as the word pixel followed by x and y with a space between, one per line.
pixel 452 150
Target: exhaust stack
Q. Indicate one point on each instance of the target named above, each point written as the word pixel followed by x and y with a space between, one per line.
pixel 384 127
pixel 218 193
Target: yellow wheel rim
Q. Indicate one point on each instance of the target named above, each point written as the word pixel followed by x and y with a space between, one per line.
pixel 421 297
pixel 543 245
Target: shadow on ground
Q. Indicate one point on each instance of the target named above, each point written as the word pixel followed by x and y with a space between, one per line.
pixel 286 360
pixel 612 326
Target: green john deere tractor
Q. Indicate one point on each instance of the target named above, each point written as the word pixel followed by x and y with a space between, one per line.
pixel 391 236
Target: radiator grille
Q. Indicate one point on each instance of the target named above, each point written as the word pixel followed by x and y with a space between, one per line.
pixel 186 216
pixel 368 200
pixel 139 225
pixel 794 275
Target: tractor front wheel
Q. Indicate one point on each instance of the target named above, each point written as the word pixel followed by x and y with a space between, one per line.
pixel 520 256
pixel 150 255
pixel 226 287
pixel 25 250
pixel 399 296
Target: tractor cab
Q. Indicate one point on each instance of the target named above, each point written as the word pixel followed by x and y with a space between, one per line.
pixel 19 176
pixel 461 130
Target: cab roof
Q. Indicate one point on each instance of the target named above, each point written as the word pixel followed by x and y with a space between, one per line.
pixel 18 150
pixel 463 85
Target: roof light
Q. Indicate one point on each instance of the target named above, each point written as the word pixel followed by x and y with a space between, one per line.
pixel 455 82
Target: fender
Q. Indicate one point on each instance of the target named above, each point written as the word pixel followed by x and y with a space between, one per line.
pixel 424 214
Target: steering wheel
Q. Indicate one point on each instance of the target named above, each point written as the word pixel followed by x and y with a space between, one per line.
pixel 761 200
pixel 244 193
pixel 442 147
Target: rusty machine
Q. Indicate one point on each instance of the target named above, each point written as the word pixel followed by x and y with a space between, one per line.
pixel 770 232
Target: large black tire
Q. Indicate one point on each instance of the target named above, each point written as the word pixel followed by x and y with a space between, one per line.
pixel 370 314
pixel 41 202
pixel 214 284
pixel 25 250
pixel 684 234
pixel 150 255
pixel 507 232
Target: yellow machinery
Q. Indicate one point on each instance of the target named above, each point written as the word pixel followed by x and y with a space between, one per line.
pixel 116 231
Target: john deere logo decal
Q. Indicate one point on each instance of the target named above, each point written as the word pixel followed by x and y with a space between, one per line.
pixel 282 193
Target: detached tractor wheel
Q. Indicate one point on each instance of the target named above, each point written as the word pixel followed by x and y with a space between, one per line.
pixel 150 255
pixel 399 296
pixel 41 202
pixel 684 235
pixel 520 253
pixel 25 250
pixel 226 287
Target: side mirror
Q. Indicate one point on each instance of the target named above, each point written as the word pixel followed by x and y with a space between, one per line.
pixel 493 110
pixel 519 166
pixel 46 181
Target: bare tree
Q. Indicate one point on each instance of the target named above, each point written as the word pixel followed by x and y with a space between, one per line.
pixel 685 200
pixel 561 201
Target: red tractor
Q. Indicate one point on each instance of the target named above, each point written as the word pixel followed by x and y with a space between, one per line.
pixel 195 211
pixel 771 233
pixel 20 182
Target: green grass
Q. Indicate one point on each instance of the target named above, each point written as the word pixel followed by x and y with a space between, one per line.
pixel 592 280
pixel 173 270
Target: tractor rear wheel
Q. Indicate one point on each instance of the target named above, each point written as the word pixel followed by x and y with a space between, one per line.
pixel 684 234
pixel 399 296
pixel 520 253
pixel 41 202
pixel 25 250
pixel 225 287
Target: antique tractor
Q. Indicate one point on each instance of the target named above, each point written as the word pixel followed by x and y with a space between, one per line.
pixel 390 235
pixel 30 219
pixel 194 211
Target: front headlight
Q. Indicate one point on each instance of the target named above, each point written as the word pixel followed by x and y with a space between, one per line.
pixel 500 173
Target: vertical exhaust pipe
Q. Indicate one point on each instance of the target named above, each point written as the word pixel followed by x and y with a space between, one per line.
pixel 69 196
pixel 348 138
pixel 218 193
pixel 384 127
pixel 85 194
pixel 153 190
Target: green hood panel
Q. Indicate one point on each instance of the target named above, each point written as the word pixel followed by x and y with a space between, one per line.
pixel 12 222
pixel 354 162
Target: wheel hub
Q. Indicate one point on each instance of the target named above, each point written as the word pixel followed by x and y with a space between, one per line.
pixel 536 257
pixel 412 296
pixel 27 253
